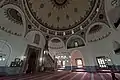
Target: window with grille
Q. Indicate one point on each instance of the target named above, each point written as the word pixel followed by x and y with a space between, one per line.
pixel 37 39
pixel 79 62
pixel 102 62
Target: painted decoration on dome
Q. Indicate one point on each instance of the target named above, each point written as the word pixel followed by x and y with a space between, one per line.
pixel 115 2
pixel 59 14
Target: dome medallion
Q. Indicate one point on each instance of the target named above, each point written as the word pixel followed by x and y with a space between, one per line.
pixel 59 4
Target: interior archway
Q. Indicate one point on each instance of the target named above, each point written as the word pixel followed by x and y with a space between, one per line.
pixel 56 45
pixel 77 59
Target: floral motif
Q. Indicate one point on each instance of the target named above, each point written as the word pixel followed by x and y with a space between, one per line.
pixel 60 4
pixel 13 15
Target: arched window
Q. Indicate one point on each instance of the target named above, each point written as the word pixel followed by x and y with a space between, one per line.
pixel 37 39
pixel 76 44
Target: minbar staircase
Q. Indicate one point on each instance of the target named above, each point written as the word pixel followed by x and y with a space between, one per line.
pixel 49 63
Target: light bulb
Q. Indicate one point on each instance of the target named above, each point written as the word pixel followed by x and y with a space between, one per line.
pixel 109 60
pixel 3 59
pixel 61 56
pixel 0 59
pixel 69 56
pixel 41 59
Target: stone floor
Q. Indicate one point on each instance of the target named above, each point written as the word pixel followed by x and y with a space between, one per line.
pixel 63 75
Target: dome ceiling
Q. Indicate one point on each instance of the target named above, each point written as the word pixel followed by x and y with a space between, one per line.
pixel 61 18
pixel 60 14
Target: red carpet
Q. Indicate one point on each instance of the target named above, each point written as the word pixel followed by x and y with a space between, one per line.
pixel 63 76
pixel 97 77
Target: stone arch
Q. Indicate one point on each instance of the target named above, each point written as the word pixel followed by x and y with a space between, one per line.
pixel 20 11
pixel 72 39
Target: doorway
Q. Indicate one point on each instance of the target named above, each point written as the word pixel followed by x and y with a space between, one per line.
pixel 32 61
pixel 79 62
pixel 77 59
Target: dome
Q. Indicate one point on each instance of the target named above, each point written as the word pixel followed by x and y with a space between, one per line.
pixel 59 15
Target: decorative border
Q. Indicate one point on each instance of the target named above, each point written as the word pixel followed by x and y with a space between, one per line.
pixel 40 22
pixel 9 31
pixel 9 16
pixel 101 38
pixel 56 47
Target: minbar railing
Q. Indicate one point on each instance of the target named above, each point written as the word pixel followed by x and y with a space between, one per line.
pixel 49 62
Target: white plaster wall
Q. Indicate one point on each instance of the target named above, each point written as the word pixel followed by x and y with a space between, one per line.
pixel 100 48
pixel 75 55
pixel 86 53
pixel 18 45
pixel 30 38
pixel 103 48
pixel 9 25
